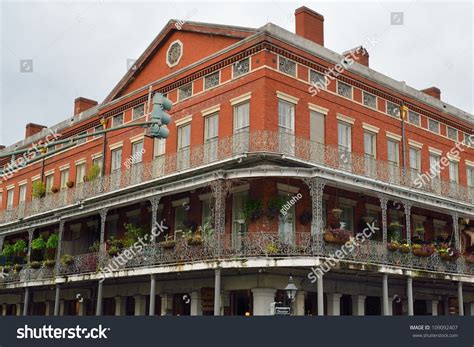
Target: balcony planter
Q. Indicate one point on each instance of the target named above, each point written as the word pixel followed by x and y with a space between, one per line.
pixel 49 263
pixel 252 210
pixel 70 184
pixel 448 254
pixel 17 267
pixel 168 244
pixel 54 190
pixel 393 246
pixel 113 251
pixel 6 269
pixel 36 265
pixel 423 250
pixel 271 248
pixel 194 240
pixel 275 205
pixel 337 236
pixel 67 260
pixel 404 248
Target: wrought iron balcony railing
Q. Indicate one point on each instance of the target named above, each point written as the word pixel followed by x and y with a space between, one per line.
pixel 241 143
pixel 246 246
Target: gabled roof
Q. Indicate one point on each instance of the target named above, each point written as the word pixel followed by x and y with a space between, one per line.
pixel 171 27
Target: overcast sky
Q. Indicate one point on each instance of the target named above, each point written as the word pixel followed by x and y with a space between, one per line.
pixel 81 49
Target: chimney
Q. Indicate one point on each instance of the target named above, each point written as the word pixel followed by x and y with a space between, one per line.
pixel 359 55
pixel 81 104
pixel 32 129
pixel 433 91
pixel 310 25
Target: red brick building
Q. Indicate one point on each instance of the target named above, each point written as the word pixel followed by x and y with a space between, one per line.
pixel 280 151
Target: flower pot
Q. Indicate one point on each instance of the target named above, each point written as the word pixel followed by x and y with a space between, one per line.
pixel 446 256
pixel 49 263
pixel 168 244
pixel 17 267
pixel 195 240
pixel 404 249
pixel 420 252
pixel 392 247
pixel 35 264
pixel 67 260
pixel 330 237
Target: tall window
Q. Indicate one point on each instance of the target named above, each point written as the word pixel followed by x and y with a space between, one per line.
pixel 317 127
pixel 393 154
pixel 370 147
pixel 116 160
pixel 286 223
pixel 435 168
pixel 49 183
pixel 415 159
pixel 347 217
pixel 470 179
pixel 180 216
pixel 22 196
pixel 239 227
pixel 64 178
pixel 184 142
pixel 241 116
pixel 80 173
pixel 211 131
pixel 10 197
pixel 159 147
pixel 137 152
pixel 344 144
pixel 286 115
pixel 453 172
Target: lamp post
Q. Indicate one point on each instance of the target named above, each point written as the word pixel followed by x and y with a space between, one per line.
pixel 291 290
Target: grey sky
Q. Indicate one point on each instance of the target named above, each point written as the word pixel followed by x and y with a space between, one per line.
pixel 81 49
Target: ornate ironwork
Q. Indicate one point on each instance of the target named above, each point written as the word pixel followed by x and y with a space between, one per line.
pixel 407 206
pixel 316 189
pixel 242 143
pixel 383 205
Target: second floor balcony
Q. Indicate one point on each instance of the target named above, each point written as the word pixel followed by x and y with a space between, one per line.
pixel 245 144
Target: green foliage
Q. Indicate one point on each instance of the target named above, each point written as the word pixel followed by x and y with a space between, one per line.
pixel 38 189
pixel 38 244
pixel 20 247
pixel 131 235
pixel 252 209
pixel 53 241
pixel 95 247
pixel 8 250
pixel 67 259
pixel 93 173
pixel 277 202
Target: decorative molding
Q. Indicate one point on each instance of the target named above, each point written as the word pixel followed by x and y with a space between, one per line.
pixel 435 151
pixel 416 144
pixel 211 110
pixel 137 138
pixel 319 109
pixel 116 145
pixel 287 188
pixel 345 119
pixel 287 97
pixel 393 136
pixel 241 98
pixel 180 202
pixel 183 120
pixel 370 128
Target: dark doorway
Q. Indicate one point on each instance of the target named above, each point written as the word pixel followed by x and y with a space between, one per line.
pixel 419 308
pixel 181 305
pixel 241 303
pixel 372 306
pixel 346 305
pixel 311 304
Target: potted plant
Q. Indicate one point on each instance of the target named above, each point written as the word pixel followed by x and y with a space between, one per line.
pixel 113 251
pixel 275 205
pixel 168 243
pixel 448 253
pixel 6 269
pixel 54 189
pixel 17 267
pixel 67 260
pixel 194 240
pixel 306 218
pixel 404 247
pixel 393 246
pixel 69 184
pixel 95 247
pixel 8 250
pixel 271 248
pixel 38 190
pixel 35 264
pixel 49 263
pixel 20 248
pixel 252 210
pixel 423 250
pixel 338 236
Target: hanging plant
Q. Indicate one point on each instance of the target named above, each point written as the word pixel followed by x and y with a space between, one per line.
pixel 93 173
pixel 252 210
pixel 336 212
pixel 275 205
pixel 20 247
pixel 54 190
pixel 38 244
pixel 8 250
pixel 53 241
pixel 67 260
pixel 306 218
pixel 70 184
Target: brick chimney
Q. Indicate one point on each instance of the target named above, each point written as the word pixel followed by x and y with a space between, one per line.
pixel 359 55
pixel 433 91
pixel 81 104
pixel 32 128
pixel 310 25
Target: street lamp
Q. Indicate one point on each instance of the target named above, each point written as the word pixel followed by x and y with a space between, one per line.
pixel 291 289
